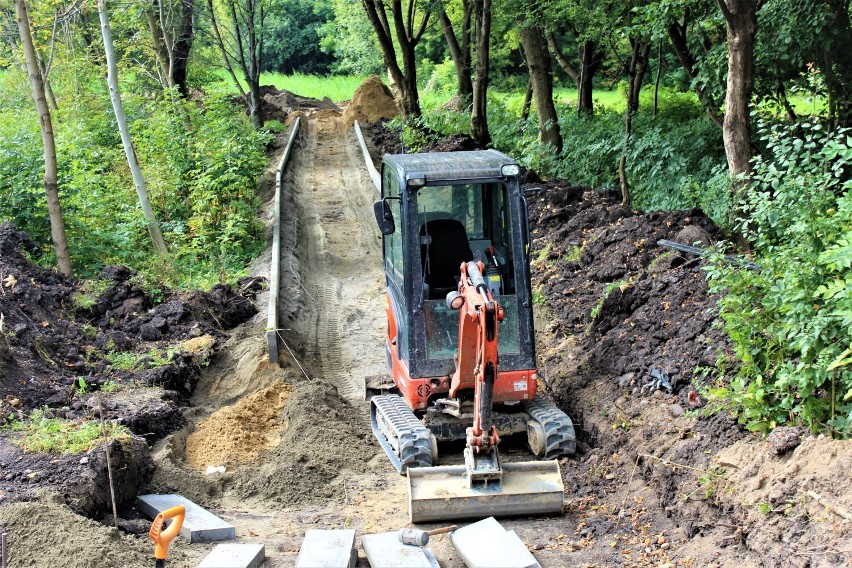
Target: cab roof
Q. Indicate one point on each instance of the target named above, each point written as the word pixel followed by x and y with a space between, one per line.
pixel 450 166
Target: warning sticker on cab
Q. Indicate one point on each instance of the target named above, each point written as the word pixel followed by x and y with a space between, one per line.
pixel 521 385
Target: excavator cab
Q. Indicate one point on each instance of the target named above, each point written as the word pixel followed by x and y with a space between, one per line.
pixel 460 340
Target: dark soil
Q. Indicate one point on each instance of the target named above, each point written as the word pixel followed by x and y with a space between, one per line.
pixel 60 344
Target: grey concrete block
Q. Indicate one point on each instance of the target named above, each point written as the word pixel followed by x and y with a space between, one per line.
pixel 233 555
pixel 384 550
pixel 199 525
pixel 328 549
pixel 486 544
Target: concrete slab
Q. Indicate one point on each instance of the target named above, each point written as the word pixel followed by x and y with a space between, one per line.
pixel 328 549
pixel 199 525
pixel 233 555
pixel 384 550
pixel 486 544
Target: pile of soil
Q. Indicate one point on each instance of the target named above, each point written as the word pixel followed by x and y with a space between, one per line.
pixel 59 352
pixel 238 433
pixel 82 479
pixel 372 101
pixel 35 541
pixel 323 438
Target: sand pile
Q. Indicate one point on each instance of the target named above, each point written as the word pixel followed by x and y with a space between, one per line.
pixel 325 437
pixel 238 433
pixel 371 102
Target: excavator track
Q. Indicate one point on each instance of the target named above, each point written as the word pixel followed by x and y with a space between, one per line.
pixel 551 431
pixel 403 437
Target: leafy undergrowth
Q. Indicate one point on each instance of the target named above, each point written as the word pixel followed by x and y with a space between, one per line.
pixel 43 432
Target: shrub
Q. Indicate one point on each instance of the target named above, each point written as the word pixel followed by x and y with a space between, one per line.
pixel 790 322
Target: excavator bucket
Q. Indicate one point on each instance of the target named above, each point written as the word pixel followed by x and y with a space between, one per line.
pixel 443 492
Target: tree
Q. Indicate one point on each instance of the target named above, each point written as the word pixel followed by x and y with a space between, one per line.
pixel 741 21
pixel 172 40
pixel 57 224
pixel 118 108
pixel 292 41
pixel 479 115
pixel 589 62
pixel 407 33
pixel 460 49
pixel 243 47
pixel 541 77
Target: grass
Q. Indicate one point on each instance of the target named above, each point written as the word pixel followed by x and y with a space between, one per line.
pixel 42 432
pixel 127 361
pixel 336 87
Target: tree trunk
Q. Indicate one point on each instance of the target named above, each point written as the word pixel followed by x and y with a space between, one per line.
pixel 525 110
pixel 741 20
pixel 677 35
pixel 479 115
pixel 657 78
pixel 837 63
pixel 637 75
pixel 590 61
pixel 157 42
pixel 407 38
pixel 639 46
pixel 121 119
pixel 226 58
pixel 57 224
pixel 539 68
pixel 182 47
pixel 563 62
pixel 460 52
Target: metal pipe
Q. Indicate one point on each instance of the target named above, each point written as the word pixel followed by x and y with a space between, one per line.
pixel 371 168
pixel 4 559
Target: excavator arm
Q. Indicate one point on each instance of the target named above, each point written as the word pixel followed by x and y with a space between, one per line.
pixel 476 366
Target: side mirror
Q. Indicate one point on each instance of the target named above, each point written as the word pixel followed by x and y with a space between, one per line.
pixel 384 218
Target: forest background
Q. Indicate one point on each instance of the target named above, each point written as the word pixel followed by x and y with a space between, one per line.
pixel 738 107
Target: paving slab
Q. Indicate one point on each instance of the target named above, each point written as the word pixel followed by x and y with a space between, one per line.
pixel 384 550
pixel 328 549
pixel 199 524
pixel 486 544
pixel 233 555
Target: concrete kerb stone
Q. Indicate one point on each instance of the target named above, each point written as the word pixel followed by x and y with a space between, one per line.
pixel 328 549
pixel 233 555
pixel 199 525
pixel 486 544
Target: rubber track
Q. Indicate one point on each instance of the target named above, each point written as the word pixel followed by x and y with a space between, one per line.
pixel 558 428
pixel 414 439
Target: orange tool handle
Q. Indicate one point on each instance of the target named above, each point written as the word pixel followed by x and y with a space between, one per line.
pixel 161 537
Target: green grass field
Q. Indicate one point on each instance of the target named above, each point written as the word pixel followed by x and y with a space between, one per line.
pixel 336 87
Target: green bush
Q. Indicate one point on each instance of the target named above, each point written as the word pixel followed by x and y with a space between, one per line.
pixel 790 322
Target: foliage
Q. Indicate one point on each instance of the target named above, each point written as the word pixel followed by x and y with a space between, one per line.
pixel 790 322
pixel 43 432
pixel 292 41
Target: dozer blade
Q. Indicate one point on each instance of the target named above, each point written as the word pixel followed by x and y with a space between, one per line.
pixel 443 492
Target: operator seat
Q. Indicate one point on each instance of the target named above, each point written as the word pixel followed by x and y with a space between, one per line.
pixel 443 257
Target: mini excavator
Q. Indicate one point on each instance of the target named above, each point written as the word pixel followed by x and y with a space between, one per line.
pixel 460 342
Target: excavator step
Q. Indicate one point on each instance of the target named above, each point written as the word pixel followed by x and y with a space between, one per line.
pixel 403 437
pixel 550 431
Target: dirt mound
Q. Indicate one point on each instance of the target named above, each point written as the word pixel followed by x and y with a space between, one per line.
pixel 454 143
pixel 385 140
pixel 48 533
pixel 324 436
pixel 238 433
pixel 372 101
pixel 82 478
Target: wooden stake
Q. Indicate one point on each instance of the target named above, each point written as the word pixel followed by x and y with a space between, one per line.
pixel 109 463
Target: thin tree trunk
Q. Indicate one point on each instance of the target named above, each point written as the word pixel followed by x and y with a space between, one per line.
pixel 657 79
pixel 525 110
pixel 540 75
pixel 563 62
pixel 479 115
pixel 121 119
pixel 677 35
pixel 226 59
pixel 57 224
pixel 459 52
pixel 638 75
pixel 632 86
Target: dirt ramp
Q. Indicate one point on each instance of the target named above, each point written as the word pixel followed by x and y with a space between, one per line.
pixel 324 436
pixel 238 433
pixel 371 102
